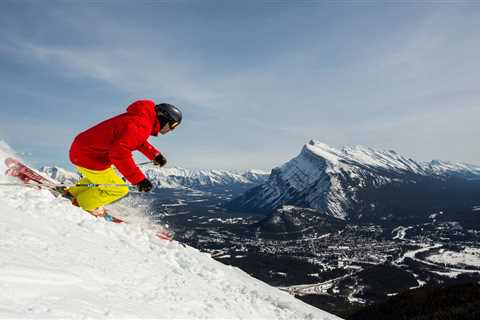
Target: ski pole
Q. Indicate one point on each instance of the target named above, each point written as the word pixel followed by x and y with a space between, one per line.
pixel 19 184
pixel 96 185
pixel 145 163
pixel 68 185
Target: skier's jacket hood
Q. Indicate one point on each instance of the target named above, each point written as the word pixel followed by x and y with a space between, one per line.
pixel 113 140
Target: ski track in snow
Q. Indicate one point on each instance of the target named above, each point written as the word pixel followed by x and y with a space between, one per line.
pixel 59 262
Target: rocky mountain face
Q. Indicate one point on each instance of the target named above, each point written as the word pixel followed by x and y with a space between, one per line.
pixel 362 184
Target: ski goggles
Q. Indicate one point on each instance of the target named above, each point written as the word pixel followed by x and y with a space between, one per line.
pixel 173 125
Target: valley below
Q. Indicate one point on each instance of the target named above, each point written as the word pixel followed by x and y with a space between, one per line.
pixel 336 266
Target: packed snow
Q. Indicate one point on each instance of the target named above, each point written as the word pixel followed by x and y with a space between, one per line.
pixel 59 262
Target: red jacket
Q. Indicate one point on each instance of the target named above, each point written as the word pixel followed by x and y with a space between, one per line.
pixel 112 141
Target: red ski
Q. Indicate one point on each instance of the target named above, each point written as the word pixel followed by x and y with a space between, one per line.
pixel 17 169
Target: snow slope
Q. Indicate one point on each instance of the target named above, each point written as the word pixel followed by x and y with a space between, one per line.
pixel 58 262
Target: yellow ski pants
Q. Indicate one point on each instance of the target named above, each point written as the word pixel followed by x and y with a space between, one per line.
pixel 90 198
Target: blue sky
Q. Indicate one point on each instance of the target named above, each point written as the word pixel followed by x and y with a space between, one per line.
pixel 255 80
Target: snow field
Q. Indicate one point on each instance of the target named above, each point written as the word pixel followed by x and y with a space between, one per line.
pixel 56 261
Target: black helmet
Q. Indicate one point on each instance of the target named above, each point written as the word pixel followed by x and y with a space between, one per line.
pixel 168 113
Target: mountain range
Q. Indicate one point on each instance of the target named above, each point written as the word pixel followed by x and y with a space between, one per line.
pixel 360 183
pixel 204 179
pixel 176 177
pixel 354 184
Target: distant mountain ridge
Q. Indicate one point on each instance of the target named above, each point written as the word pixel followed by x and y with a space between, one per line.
pixel 60 174
pixel 355 182
pixel 180 178
pixel 203 178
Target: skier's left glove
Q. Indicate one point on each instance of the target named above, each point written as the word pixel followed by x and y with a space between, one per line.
pixel 144 186
pixel 160 160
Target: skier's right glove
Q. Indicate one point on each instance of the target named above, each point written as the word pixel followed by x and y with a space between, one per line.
pixel 160 160
pixel 144 186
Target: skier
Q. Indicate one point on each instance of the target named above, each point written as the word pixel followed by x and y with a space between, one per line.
pixel 111 142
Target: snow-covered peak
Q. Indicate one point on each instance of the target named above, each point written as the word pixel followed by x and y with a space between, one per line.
pixel 60 262
pixel 60 174
pixel 445 167
pixel 363 156
pixel 255 173
pixel 332 180
pixel 324 151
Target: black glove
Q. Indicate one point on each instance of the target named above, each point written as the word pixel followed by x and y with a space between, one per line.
pixel 160 160
pixel 144 186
